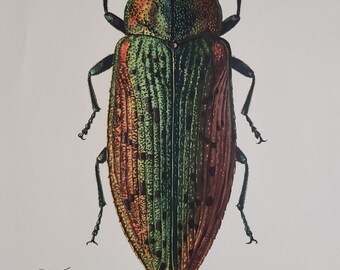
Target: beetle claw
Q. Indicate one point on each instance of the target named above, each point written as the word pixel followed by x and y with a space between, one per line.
pixel 92 241
pixel 81 136
pixel 252 239
pixel 258 136
pixel 261 140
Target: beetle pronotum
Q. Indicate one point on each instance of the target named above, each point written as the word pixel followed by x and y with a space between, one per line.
pixel 171 146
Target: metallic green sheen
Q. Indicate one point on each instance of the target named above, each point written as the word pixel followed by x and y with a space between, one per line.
pixel 173 20
pixel 171 89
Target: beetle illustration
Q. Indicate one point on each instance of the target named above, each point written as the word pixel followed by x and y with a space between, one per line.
pixel 171 136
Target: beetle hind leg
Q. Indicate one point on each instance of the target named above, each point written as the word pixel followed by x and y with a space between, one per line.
pixel 102 157
pixel 240 157
pixel 245 70
pixel 98 68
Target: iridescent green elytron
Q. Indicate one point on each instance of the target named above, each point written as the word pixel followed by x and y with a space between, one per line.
pixel 171 129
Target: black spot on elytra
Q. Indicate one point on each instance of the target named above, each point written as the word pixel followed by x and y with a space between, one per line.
pixel 142 156
pixel 150 197
pixel 185 236
pixel 143 188
pixel 213 145
pixel 205 139
pixel 148 104
pixel 141 118
pixel 158 225
pixel 179 251
pixel 164 134
pixel 209 201
pixel 127 204
pixel 191 224
pixel 191 205
pixel 153 80
pixel 150 156
pixel 133 71
pixel 159 253
pixel 203 114
pixel 185 197
pixel 190 252
pixel 155 115
pixel 164 244
pixel 152 228
pixel 198 61
pixel 211 171
pixel 125 138
pixel 189 121
pixel 198 202
pixel 163 71
pixel 146 241
pixel 152 241
pixel 207 99
pixel 206 61
pixel 131 197
pixel 191 95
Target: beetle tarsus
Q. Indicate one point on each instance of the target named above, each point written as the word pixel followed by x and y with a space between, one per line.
pixel 92 241
pixel 241 157
pixel 100 160
pixel 247 229
pixel 255 131
pixel 88 125
pixel 96 227
pixel 252 239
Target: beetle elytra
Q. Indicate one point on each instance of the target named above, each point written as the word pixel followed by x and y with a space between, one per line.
pixel 171 134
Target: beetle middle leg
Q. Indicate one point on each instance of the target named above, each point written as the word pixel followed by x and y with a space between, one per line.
pixel 240 157
pixel 102 157
pixel 113 19
pixel 98 68
pixel 245 70
pixel 230 22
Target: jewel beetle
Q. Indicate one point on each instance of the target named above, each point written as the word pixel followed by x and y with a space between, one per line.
pixel 171 135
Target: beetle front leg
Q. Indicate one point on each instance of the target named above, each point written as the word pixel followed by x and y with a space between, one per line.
pixel 240 157
pixel 102 157
pixel 113 19
pixel 230 22
pixel 100 67
pixel 243 68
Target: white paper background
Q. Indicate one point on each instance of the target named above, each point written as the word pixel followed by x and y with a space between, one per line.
pixel 48 192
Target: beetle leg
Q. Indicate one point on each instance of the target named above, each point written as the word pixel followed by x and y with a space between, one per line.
pixel 100 160
pixel 230 22
pixel 114 20
pixel 100 67
pixel 240 157
pixel 245 70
